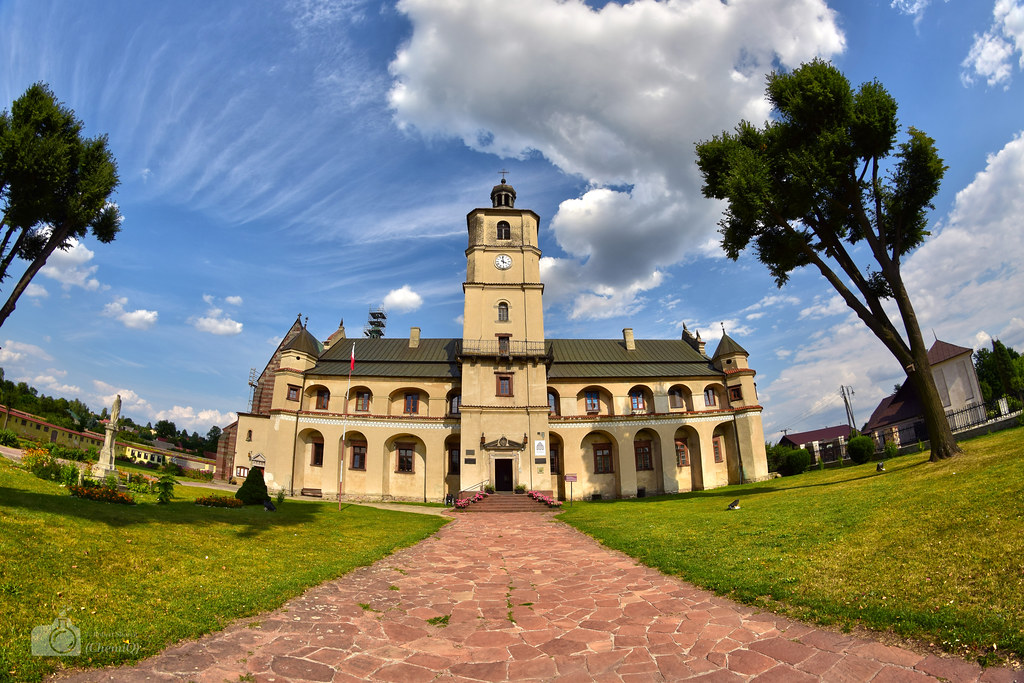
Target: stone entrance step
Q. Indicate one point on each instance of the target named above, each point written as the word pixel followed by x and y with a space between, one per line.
pixel 506 502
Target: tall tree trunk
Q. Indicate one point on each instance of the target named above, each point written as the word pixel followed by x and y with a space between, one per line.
pixel 920 375
pixel 58 237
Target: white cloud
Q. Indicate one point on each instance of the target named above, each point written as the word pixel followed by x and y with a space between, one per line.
pixel 34 291
pixel 914 8
pixel 216 321
pixel 188 418
pixel 403 300
pixel 233 300
pixel 825 306
pixel 70 267
pixel 13 351
pixel 625 120
pixel 51 383
pixel 990 55
pixel 139 319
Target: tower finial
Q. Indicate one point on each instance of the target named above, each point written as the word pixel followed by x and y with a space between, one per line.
pixel 723 327
pixel 504 172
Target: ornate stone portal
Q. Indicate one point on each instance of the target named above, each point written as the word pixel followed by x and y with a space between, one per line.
pixel 106 464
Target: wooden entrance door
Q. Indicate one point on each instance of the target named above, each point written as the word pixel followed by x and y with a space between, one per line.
pixel 503 475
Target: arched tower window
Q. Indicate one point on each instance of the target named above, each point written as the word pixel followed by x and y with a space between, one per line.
pixel 503 312
pixel 504 230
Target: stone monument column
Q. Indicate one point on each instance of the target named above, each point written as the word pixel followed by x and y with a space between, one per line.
pixel 106 464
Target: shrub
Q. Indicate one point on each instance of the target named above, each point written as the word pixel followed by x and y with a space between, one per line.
pixel 280 496
pixel 101 494
pixel 860 449
pixel 215 501
pixel 68 475
pixel 199 475
pixel 794 461
pixel 165 489
pixel 253 490
pixel 891 449
pixel 172 468
pixel 40 463
pixel 8 438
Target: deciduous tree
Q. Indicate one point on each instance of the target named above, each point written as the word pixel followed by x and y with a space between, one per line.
pixel 55 186
pixel 824 183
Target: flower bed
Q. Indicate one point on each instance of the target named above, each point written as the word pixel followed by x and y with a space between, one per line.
pixel 463 503
pixel 215 501
pixel 544 498
pixel 102 494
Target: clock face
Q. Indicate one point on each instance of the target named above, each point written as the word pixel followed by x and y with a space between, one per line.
pixel 502 261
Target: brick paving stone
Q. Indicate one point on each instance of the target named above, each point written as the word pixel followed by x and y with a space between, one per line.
pixel 953 670
pixel 898 674
pixel 596 615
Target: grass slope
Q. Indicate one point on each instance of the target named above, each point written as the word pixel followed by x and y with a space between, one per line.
pixel 931 552
pixel 150 575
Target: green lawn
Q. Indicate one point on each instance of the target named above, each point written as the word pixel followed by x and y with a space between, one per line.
pixel 155 574
pixel 929 551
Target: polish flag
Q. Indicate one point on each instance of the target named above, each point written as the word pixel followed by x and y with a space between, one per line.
pixel 352 359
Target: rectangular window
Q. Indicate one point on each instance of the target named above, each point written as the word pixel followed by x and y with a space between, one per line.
pixel 556 461
pixel 682 453
pixel 735 394
pixel 642 450
pixel 636 400
pixel 412 404
pixel 363 401
pixel 454 461
pixel 503 345
pixel 293 392
pixel 503 312
pixel 593 401
pixel 552 403
pixel 323 398
pixel 453 405
pixel 709 397
pixel 675 399
pixel 603 458
pixel 717 443
pixel 318 455
pixel 504 385
pixel 241 471
pixel 405 457
pixel 358 455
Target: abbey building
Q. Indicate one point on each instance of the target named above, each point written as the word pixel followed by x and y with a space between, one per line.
pixel 503 406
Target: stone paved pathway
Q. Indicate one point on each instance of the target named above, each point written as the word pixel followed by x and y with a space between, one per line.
pixel 527 598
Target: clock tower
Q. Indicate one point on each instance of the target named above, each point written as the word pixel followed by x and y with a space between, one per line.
pixel 504 409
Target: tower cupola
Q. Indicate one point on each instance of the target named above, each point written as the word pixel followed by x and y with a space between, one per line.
pixel 503 196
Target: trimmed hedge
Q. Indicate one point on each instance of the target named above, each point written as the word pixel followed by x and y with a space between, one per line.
pixel 860 449
pixel 794 461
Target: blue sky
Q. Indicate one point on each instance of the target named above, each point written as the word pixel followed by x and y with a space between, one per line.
pixel 319 157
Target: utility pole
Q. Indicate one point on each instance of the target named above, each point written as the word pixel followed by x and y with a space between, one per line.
pixel 847 394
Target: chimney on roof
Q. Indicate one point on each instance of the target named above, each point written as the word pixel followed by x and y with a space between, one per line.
pixel 695 341
pixel 627 336
pixel 414 338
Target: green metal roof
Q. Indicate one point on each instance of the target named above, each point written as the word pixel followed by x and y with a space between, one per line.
pixel 433 358
pixel 609 358
pixel 571 359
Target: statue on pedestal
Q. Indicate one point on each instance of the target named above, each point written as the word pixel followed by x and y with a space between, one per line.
pixel 106 464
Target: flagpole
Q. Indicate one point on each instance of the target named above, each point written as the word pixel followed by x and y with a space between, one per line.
pixel 344 420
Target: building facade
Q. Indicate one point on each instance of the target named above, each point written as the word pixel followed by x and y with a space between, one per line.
pixel 502 406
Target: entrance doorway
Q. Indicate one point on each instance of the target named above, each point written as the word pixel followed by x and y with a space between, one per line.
pixel 503 475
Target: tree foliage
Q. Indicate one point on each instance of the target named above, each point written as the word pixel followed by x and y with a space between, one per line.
pixel 55 186
pixel 1000 371
pixel 253 490
pixel 824 183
